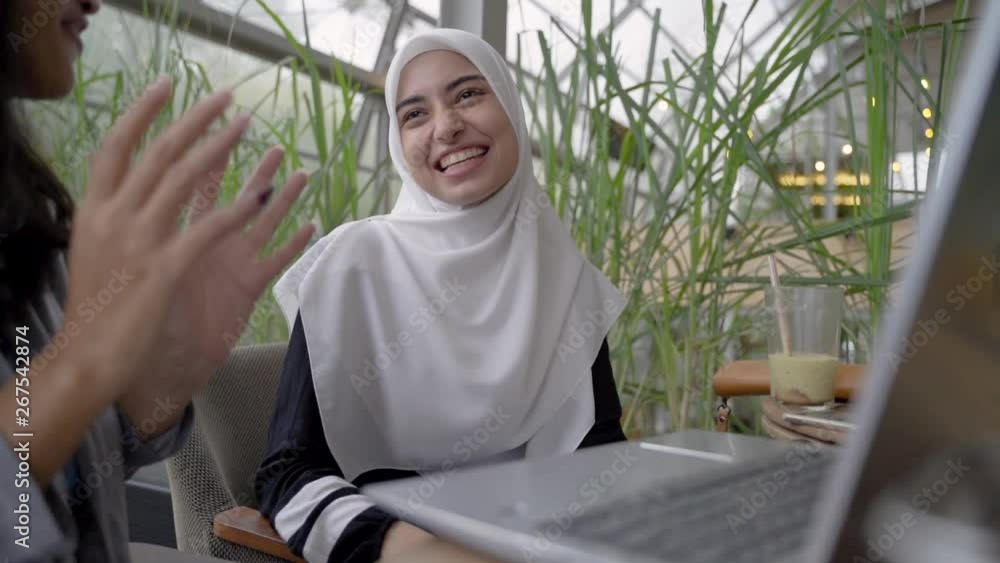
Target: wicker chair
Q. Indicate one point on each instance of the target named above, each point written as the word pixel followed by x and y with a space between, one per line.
pixel 212 477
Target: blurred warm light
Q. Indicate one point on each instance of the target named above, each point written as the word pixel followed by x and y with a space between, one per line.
pixel 750 133
pixel 896 166
pixel 820 166
pixel 819 179
pixel 925 84
pixel 929 133
pixel 927 113
pixel 838 199
pixel 873 101
pixel 847 149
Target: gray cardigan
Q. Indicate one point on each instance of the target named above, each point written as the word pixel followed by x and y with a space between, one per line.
pixel 88 523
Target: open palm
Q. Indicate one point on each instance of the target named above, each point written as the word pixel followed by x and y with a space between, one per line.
pixel 217 296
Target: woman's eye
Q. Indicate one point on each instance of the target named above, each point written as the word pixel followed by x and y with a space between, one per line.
pixel 410 115
pixel 466 94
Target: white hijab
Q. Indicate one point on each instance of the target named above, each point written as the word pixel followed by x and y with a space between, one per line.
pixel 441 335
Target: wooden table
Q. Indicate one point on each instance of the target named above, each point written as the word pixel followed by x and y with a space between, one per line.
pixel 753 378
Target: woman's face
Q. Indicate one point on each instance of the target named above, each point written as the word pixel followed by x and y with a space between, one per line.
pixel 45 36
pixel 458 142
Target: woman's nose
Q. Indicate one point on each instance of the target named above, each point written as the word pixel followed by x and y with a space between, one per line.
pixel 90 7
pixel 448 126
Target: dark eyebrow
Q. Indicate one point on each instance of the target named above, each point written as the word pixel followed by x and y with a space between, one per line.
pixel 409 101
pixel 454 83
pixel 449 87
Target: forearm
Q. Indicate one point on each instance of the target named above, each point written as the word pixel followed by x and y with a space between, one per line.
pixel 153 410
pixel 154 405
pixel 403 537
pixel 436 550
pixel 65 398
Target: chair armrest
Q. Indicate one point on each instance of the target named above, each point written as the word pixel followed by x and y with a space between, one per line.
pixel 752 377
pixel 245 526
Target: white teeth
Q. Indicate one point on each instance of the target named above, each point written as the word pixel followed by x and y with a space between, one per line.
pixel 456 157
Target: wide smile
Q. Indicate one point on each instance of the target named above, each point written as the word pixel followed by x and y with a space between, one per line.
pixel 462 161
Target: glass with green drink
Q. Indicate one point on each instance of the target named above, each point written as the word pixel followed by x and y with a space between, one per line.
pixel 803 344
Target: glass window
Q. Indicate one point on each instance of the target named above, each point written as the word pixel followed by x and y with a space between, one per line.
pixel 430 7
pixel 124 52
pixel 350 30
pixel 411 26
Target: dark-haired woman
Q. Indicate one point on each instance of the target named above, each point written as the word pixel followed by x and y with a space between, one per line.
pixel 110 316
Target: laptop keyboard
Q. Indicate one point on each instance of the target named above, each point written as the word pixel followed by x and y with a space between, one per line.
pixel 749 514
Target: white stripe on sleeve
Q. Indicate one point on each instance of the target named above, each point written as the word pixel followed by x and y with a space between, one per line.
pixel 331 524
pixel 294 514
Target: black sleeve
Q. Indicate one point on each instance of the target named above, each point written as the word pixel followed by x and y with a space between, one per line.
pixel 607 408
pixel 298 460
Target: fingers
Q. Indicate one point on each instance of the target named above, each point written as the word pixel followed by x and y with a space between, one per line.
pixel 204 199
pixel 111 162
pixel 221 224
pixel 264 173
pixel 277 262
pixel 193 243
pixel 180 181
pixel 207 192
pixel 171 145
pixel 265 226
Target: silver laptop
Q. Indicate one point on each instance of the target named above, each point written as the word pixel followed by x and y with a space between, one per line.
pixel 906 487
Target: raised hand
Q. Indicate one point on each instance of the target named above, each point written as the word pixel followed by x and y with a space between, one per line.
pixel 217 296
pixel 179 290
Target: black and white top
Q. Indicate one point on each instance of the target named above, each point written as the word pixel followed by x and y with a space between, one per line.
pixel 302 489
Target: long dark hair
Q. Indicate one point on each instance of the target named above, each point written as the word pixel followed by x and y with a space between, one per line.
pixel 35 208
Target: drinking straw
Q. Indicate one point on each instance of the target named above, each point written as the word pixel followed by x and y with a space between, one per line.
pixel 779 302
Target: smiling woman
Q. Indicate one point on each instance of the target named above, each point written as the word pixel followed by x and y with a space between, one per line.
pixel 458 141
pixel 521 339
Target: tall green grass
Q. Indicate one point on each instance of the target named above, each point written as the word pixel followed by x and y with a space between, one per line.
pixel 659 225
pixel 676 210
